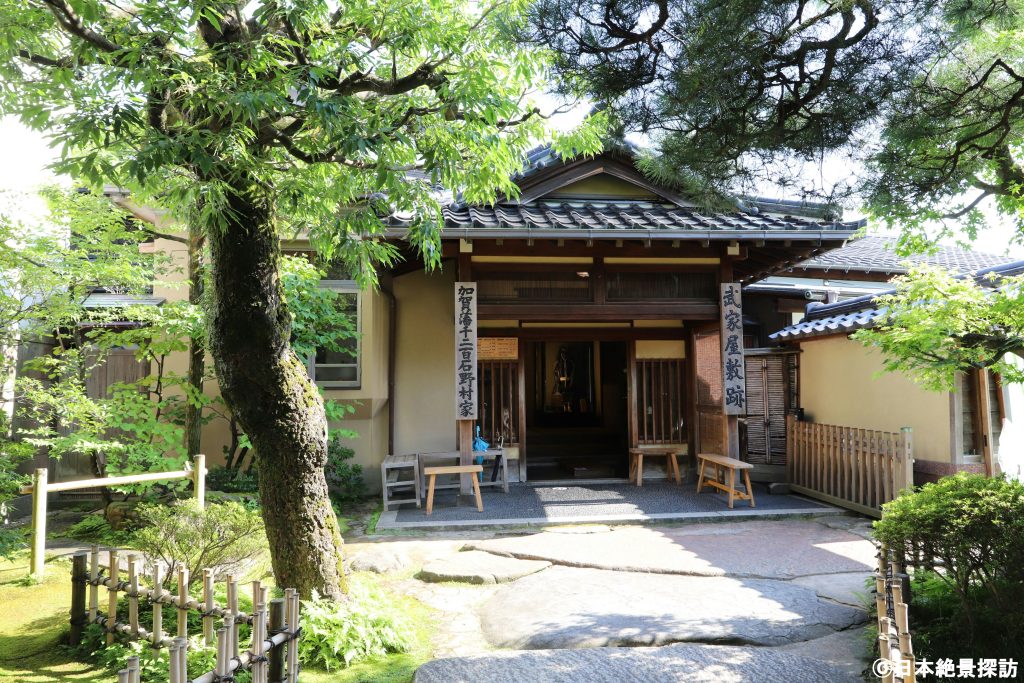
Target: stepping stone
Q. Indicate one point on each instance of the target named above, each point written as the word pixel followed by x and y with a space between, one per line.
pixel 573 608
pixel 670 664
pixel 474 566
pixel 761 549
pixel 848 588
pixel 383 561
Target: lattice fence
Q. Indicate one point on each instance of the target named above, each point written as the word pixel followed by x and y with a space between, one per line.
pixel 272 654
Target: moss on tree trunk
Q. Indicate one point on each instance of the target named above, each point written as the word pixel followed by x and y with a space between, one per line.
pixel 266 386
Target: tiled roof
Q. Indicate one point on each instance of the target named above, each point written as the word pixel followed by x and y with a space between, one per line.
pixel 875 254
pixel 853 314
pixel 625 216
pixel 846 323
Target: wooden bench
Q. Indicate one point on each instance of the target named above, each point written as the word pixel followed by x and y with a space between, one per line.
pixel 636 462
pixel 721 464
pixel 392 480
pixel 432 472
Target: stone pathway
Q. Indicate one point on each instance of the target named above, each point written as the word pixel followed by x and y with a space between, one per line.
pixel 575 604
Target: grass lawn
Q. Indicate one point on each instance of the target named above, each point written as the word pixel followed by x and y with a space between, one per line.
pixel 34 619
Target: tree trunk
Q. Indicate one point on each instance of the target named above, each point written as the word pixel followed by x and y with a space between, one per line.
pixel 266 386
pixel 196 352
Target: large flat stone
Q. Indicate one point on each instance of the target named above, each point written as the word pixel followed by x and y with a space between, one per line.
pixel 671 664
pixel 571 608
pixel 845 650
pixel 474 566
pixel 849 589
pixel 767 549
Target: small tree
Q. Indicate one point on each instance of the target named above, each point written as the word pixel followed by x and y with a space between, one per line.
pixel 936 325
pixel 247 117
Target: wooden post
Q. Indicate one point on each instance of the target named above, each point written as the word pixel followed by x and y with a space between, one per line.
pixel 133 596
pixel 94 590
pixel 291 599
pixel 79 579
pixel 182 601
pixel 199 478
pixel 158 613
pixel 173 673
pixel 112 570
pixel 208 631
pixel 231 619
pixel 905 459
pixel 182 659
pixel 275 667
pixel 135 669
pixel 465 455
pixel 985 418
pixel 39 492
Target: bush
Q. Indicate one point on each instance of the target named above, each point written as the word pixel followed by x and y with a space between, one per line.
pixel 366 626
pixel 154 664
pixel 973 523
pixel 94 528
pixel 224 537
pixel 344 479
pixel 974 526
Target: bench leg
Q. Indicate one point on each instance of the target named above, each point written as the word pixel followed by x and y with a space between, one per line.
pixel 640 469
pixel 732 486
pixel 476 492
pixel 700 475
pixel 750 491
pixel 430 492
pixel 675 468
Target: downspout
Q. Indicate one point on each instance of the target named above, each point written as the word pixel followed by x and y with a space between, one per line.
pixel 392 343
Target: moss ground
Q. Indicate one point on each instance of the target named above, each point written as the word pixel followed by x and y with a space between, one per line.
pixel 33 622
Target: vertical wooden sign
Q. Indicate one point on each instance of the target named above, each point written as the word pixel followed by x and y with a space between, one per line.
pixel 465 351
pixel 734 390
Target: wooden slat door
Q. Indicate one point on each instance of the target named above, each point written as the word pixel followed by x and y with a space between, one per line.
pixel 707 391
pixel 770 397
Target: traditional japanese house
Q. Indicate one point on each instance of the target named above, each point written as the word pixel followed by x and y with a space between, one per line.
pixel 608 314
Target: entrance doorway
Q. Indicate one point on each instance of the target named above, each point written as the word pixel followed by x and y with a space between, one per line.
pixel 576 410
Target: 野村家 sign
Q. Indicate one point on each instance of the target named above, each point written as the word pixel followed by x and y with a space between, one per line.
pixel 734 389
pixel 465 351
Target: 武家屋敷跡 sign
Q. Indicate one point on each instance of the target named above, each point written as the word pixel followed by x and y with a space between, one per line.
pixel 734 390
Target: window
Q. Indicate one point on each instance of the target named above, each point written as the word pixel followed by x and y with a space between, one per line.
pixel 340 369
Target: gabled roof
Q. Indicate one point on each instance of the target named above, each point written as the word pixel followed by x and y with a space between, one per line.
pixel 539 212
pixel 876 254
pixel 846 317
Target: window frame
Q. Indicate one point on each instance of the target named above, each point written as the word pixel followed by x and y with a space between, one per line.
pixel 342 287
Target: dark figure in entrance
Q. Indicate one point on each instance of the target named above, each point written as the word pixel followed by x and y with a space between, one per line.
pixel 564 379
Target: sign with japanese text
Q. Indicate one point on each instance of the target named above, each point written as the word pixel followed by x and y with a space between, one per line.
pixel 465 351
pixel 498 348
pixel 734 389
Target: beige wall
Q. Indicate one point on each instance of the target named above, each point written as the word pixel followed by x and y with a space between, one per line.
pixel 840 383
pixel 660 348
pixel 425 362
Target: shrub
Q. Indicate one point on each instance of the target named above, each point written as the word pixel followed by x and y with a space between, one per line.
pixel 343 478
pixel 12 454
pixel 154 665
pixel 94 528
pixel 974 526
pixel 973 523
pixel 224 537
pixel 366 626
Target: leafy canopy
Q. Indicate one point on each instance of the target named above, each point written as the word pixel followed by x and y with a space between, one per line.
pixel 338 113
pixel 936 325
pixel 927 94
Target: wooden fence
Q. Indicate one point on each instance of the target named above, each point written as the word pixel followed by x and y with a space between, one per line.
pixel 272 656
pixel 41 488
pixel 859 469
pixel 894 642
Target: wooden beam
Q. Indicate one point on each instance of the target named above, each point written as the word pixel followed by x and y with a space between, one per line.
pixel 585 312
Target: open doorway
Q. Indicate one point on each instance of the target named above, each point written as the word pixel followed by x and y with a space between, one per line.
pixel 576 410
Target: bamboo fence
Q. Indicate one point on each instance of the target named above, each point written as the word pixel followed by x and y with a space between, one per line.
pixel 272 654
pixel 892 594
pixel 859 469
pixel 41 488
